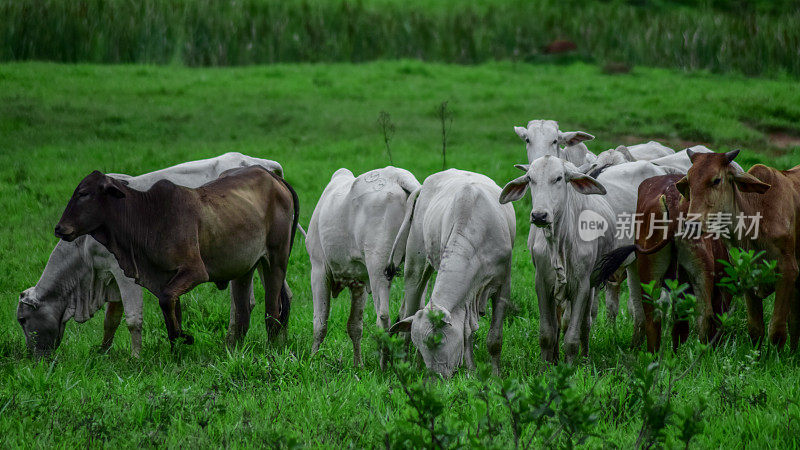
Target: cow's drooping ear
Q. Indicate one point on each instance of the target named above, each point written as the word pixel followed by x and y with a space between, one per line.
pixel 683 187
pixel 523 167
pixel 569 138
pixel 626 153
pixel 748 183
pixel 404 326
pixel 731 154
pixel 514 190
pixel 522 132
pixel 584 183
pixel 112 189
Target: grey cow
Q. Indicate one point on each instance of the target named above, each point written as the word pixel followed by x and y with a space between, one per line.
pixel 349 240
pixel 82 276
pixel 455 225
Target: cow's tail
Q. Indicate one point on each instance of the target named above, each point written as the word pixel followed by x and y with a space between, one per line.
pixel 399 246
pixel 286 299
pixel 612 260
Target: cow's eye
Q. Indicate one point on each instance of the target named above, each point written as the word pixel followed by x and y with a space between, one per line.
pixel 21 321
pixel 716 181
pixel 558 179
pixel 555 142
pixel 83 194
pixel 527 141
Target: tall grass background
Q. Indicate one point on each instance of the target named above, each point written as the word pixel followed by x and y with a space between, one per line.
pixel 752 38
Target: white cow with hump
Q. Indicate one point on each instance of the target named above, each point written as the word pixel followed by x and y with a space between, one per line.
pixel 81 276
pixel 542 137
pixel 622 154
pixel 563 256
pixel 349 241
pixel 455 225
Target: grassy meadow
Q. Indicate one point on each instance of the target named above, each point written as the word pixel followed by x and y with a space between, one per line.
pixel 58 123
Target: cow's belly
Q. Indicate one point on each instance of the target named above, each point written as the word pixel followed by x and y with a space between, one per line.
pixel 228 262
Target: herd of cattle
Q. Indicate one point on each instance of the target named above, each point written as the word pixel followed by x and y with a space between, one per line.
pixel 221 219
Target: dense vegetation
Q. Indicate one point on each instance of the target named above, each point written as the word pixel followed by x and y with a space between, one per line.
pixel 58 123
pixel 745 36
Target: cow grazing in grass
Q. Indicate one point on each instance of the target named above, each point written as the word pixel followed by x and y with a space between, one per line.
pixel 664 250
pixel 349 241
pixel 542 137
pixel 171 238
pixel 81 276
pixel 713 186
pixel 454 224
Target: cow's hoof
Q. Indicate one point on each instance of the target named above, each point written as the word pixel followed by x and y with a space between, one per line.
pixel 188 339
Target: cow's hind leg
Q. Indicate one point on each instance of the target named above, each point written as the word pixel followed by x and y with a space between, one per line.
pixel 111 323
pixel 241 291
pixel 321 297
pixel 355 323
pixel 274 294
pixel 494 340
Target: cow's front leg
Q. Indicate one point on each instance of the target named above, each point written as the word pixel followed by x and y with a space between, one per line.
pixel 784 296
pixel 548 323
pixel 755 317
pixel 111 323
pixel 381 287
pixel 169 300
pixel 576 326
pixel 635 305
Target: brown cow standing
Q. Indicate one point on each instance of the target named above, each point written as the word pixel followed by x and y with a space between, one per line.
pixel 172 238
pixel 666 253
pixel 714 186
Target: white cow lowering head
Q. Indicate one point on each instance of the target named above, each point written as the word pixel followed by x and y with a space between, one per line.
pixel 551 181
pixel 438 334
pixel 42 322
pixel 542 137
pixel 608 158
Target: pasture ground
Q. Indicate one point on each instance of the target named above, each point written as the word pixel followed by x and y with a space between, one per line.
pixel 58 123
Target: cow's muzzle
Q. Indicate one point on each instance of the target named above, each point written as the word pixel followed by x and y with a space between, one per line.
pixel 540 219
pixel 65 233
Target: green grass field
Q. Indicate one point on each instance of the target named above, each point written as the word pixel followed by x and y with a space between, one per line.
pixel 58 123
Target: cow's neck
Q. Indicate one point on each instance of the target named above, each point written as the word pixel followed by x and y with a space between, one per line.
pixel 127 230
pixel 66 279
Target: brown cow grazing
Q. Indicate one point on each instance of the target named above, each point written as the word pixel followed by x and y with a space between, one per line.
pixel 172 238
pixel 672 251
pixel 713 186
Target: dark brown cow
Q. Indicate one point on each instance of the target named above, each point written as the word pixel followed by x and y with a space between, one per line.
pixel 658 257
pixel 714 186
pixel 172 238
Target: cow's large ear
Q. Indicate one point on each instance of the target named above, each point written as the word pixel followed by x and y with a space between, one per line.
pixel 522 132
pixel 404 326
pixel 514 190
pixel 625 153
pixel 112 189
pixel 584 183
pixel 523 167
pixel 568 138
pixel 748 183
pixel 683 187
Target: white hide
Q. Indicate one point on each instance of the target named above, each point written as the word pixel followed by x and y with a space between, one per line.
pixel 622 154
pixel 81 276
pixel 680 160
pixel 542 137
pixel 455 225
pixel 349 241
